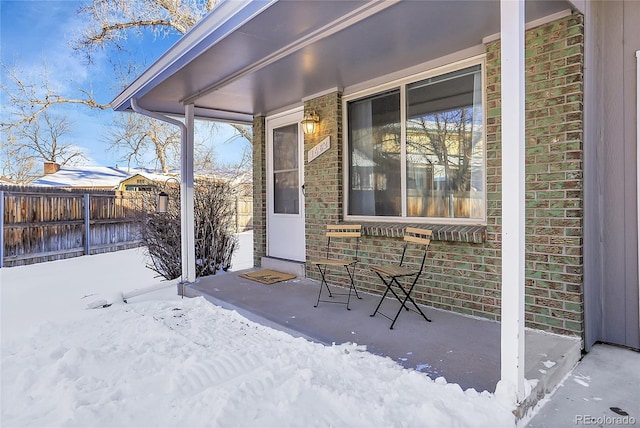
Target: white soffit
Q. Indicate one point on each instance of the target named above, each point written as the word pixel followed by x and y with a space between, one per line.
pixel 251 57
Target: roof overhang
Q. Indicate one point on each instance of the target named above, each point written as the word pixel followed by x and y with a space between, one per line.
pixel 256 57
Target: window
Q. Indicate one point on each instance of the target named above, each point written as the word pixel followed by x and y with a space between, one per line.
pixel 416 151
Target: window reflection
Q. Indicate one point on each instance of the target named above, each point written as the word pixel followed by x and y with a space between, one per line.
pixel 445 146
pixel 374 137
pixel 285 170
pixel 444 149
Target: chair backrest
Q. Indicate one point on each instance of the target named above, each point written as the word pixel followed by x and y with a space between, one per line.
pixel 343 231
pixel 417 236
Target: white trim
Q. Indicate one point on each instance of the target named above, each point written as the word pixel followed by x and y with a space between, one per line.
pixel 579 5
pixel 225 116
pixel 280 111
pixel 322 93
pixel 282 118
pixel 277 115
pixel 401 85
pixel 352 18
pixel 403 152
pixel 223 14
pixel 638 161
pixel 423 74
pixel 187 234
pixel 187 207
pixel 448 61
pixel 512 320
pixel 533 24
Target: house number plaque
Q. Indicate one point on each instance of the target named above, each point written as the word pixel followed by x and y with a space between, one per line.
pixel 319 149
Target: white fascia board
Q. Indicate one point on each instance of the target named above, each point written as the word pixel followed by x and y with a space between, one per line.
pixel 579 5
pixel 532 24
pixel 360 14
pixel 637 154
pixel 216 26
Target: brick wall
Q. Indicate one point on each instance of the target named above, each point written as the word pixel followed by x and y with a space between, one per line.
pixel 554 198
pixel 323 177
pixel 259 190
pixel 465 277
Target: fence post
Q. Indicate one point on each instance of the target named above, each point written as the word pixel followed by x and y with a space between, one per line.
pixel 237 214
pixel 87 235
pixel 1 228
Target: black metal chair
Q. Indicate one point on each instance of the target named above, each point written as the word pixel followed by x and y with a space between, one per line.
pixel 337 260
pixel 389 274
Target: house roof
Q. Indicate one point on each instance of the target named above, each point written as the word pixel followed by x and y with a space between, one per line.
pixel 92 176
pixel 107 177
pixel 256 57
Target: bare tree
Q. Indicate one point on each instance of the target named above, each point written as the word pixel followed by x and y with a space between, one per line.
pixel 111 22
pixel 29 99
pixel 33 142
pixel 447 137
pixel 136 136
pixel 42 139
pixel 20 167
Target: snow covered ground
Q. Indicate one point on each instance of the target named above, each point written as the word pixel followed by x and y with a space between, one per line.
pixel 164 361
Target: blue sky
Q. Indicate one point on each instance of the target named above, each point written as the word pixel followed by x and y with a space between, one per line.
pixel 37 32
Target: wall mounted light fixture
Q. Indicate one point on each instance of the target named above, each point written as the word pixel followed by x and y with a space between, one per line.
pixel 163 198
pixel 310 122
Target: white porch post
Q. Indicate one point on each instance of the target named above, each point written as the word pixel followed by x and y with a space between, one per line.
pixel 513 191
pixel 186 197
pixel 637 155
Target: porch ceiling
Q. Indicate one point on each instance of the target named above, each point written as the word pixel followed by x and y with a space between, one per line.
pixel 251 57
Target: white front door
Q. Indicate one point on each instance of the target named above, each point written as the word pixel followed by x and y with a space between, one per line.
pixel 285 177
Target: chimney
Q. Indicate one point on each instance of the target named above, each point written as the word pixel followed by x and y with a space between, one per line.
pixel 51 167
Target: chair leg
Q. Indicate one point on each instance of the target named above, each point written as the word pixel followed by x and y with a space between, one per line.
pixel 402 302
pixel 323 282
pixel 417 307
pixel 389 285
pixel 395 279
pixel 383 296
pixel 353 276
pixel 351 285
pixel 408 297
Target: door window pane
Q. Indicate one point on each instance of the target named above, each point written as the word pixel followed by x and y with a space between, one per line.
pixel 286 192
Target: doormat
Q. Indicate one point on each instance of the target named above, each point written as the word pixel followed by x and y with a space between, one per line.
pixel 267 276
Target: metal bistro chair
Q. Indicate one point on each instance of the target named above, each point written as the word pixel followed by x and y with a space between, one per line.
pixel 389 274
pixel 342 232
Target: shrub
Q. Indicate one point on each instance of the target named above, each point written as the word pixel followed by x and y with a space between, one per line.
pixel 214 218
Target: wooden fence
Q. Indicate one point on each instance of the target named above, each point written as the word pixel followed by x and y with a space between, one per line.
pixel 43 224
pixel 244 213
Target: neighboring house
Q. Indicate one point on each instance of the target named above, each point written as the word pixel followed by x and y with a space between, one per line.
pixel 137 183
pixel 423 121
pixel 96 178
pixel 139 179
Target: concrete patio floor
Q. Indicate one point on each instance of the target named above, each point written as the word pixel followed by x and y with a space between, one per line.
pixel 463 350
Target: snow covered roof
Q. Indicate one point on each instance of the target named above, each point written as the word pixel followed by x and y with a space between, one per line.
pixel 104 177
pixel 109 177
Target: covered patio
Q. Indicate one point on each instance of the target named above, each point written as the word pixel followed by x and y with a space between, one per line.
pixel 266 63
pixel 462 349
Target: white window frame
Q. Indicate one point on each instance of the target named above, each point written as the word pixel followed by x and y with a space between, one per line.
pixel 402 84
